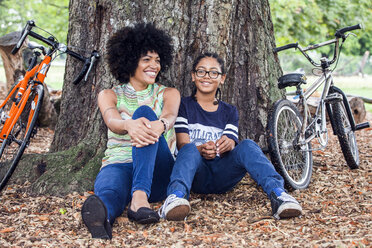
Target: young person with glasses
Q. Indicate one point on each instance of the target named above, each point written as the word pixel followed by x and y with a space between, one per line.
pixel 210 158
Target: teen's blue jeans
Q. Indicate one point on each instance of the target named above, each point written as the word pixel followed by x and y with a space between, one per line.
pixel 150 172
pixel 192 172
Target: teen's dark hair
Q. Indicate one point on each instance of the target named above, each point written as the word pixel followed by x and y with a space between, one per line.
pixel 129 44
pixel 222 65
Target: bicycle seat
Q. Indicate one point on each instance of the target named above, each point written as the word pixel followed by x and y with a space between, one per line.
pixel 291 79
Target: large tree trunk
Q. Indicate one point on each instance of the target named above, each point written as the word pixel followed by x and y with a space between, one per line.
pixel 240 31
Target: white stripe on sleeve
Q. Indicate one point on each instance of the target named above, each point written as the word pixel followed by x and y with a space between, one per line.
pixel 232 133
pixel 232 127
pixel 182 120
pixel 181 126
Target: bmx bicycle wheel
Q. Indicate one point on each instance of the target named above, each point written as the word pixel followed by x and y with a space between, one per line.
pixel 292 160
pixel 346 136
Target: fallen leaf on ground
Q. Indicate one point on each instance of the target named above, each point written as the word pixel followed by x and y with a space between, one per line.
pixel 7 230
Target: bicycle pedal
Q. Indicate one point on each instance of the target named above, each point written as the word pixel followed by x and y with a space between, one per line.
pixel 361 126
pixel 333 98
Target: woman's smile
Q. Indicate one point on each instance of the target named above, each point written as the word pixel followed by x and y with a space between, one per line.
pixel 151 73
pixel 147 70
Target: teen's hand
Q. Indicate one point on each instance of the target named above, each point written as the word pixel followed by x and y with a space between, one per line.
pixel 224 144
pixel 208 150
pixel 141 132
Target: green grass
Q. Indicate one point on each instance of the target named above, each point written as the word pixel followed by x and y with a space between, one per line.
pixel 355 85
pixel 55 76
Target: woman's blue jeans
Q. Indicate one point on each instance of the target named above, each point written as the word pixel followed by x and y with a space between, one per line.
pixel 192 172
pixel 150 172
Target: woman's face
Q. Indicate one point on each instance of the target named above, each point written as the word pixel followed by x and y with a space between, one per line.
pixel 208 83
pixel 146 72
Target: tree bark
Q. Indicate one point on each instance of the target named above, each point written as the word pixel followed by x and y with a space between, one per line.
pixel 358 109
pixel 362 64
pixel 239 31
pixel 13 64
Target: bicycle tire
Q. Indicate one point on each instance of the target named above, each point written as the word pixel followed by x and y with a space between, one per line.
pixel 13 147
pixel 293 162
pixel 346 136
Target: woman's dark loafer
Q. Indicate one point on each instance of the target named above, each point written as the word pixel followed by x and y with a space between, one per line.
pixel 94 216
pixel 143 215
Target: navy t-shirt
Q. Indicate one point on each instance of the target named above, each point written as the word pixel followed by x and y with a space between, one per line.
pixel 203 126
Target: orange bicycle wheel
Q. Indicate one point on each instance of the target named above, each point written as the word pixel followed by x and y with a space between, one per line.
pixel 12 148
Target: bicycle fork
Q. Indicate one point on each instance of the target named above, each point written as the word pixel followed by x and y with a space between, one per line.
pixel 337 95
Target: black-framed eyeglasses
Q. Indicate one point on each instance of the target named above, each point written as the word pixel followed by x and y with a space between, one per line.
pixel 212 74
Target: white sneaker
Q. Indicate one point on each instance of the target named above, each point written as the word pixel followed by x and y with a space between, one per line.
pixel 284 206
pixel 174 208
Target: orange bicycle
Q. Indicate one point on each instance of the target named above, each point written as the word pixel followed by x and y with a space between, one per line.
pixel 20 109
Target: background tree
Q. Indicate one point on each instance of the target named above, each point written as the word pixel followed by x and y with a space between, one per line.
pixel 240 31
pixel 51 15
pixel 313 21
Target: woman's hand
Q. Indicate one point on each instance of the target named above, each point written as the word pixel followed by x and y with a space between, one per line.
pixel 141 132
pixel 158 127
pixel 208 150
pixel 224 144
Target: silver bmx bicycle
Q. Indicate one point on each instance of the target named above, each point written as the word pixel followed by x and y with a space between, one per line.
pixel 292 127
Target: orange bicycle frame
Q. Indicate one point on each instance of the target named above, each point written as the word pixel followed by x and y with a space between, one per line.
pixel 24 87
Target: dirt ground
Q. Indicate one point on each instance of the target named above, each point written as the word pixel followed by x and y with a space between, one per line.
pixel 337 212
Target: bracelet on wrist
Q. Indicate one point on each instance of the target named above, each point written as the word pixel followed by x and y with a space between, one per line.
pixel 165 123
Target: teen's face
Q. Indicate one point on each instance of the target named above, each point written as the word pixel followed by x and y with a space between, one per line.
pixel 147 70
pixel 206 84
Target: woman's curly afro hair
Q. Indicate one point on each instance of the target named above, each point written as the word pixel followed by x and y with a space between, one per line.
pixel 129 44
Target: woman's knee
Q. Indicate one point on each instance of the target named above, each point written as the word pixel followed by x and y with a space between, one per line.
pixel 144 111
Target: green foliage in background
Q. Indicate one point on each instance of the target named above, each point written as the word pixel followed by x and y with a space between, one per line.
pixel 314 21
pixel 51 15
pixel 347 65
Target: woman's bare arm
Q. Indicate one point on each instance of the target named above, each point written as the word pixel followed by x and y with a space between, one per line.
pixel 169 113
pixel 139 130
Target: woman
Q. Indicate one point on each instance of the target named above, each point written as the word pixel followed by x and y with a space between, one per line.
pixel 210 160
pixel 139 114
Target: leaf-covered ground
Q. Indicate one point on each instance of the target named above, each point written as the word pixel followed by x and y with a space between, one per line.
pixel 337 212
